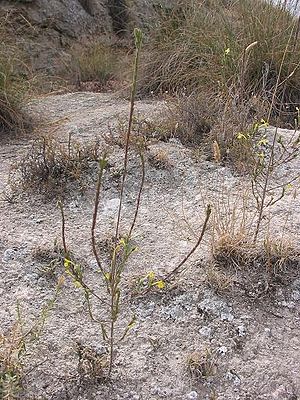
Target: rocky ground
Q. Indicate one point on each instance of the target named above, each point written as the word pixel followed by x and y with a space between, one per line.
pixel 190 340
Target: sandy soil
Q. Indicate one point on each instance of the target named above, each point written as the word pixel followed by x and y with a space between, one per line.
pixel 247 345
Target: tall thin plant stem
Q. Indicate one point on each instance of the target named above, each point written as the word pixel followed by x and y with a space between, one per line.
pixel 114 279
pixel 192 251
pixel 138 44
pixel 102 165
pixel 63 227
pixel 139 196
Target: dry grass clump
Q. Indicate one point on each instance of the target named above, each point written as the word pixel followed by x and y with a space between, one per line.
pixel 231 65
pixel 233 251
pixel 238 51
pixel 218 279
pixel 50 167
pixel 279 255
pixel 206 120
pixel 159 159
pixel 97 65
pixel 195 116
pixel 12 87
pixel 144 130
pixel 273 257
pixel 119 12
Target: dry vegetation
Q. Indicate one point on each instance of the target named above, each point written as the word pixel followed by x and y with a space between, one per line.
pixel 50 167
pixel 12 87
pixel 229 64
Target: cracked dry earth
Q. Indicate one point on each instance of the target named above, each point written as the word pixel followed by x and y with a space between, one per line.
pixel 239 346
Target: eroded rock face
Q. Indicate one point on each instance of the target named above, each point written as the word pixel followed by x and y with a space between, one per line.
pixel 46 29
pixel 72 18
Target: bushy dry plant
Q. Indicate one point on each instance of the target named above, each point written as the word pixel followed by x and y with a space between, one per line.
pixel 257 268
pixel 218 279
pixel 279 254
pixel 144 129
pixel 234 251
pixel 91 364
pixel 49 166
pixel 193 117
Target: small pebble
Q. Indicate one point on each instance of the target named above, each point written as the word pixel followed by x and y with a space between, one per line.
pixel 241 330
pixel 222 350
pixel 8 255
pixel 205 331
pixel 268 332
pixel 192 395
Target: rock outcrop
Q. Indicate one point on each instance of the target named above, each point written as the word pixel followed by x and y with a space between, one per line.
pixel 46 29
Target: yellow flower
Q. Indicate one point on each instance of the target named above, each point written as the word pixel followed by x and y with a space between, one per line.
pixel 67 263
pixel 263 141
pixel 77 284
pixel 150 276
pixel 160 284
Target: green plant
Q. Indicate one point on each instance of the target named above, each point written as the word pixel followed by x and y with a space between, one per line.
pixel 269 184
pixel 112 271
pixel 122 247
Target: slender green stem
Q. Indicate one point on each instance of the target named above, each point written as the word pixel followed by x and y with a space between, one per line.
pixel 138 201
pixel 114 275
pixel 138 37
pixel 102 165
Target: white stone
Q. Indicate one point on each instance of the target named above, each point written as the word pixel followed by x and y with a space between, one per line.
pixel 192 395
